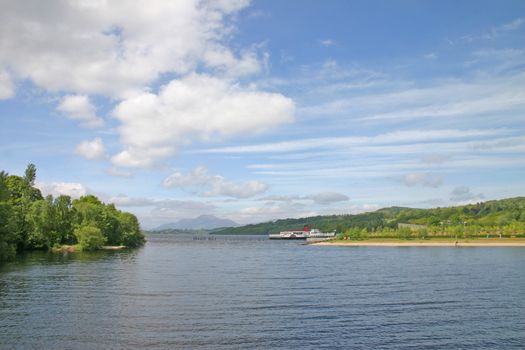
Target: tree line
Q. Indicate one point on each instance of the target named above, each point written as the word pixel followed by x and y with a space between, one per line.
pixel 29 221
pixel 459 231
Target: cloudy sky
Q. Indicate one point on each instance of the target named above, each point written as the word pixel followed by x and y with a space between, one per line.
pixel 265 109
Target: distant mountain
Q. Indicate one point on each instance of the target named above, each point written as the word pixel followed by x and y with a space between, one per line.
pixel 206 222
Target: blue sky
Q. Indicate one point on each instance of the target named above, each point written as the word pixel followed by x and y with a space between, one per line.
pixel 266 109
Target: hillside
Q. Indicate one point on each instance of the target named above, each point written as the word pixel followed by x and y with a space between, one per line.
pixel 487 214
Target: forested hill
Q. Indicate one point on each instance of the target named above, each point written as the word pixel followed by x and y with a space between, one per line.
pixel 30 221
pixel 496 213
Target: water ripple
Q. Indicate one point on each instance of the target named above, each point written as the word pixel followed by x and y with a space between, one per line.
pixel 248 292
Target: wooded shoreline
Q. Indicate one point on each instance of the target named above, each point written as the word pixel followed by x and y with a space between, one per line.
pixel 30 221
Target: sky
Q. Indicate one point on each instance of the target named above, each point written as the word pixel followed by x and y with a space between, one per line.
pixel 260 110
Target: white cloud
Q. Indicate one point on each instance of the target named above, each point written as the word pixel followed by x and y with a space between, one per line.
pixel 197 106
pixel 109 48
pixel 434 158
pixel 464 194
pixel 91 149
pixel 7 89
pixel 329 197
pixel 492 33
pixel 171 211
pixel 72 189
pixel 395 137
pixel 153 212
pixel 214 185
pixel 513 25
pixel 482 96
pixel 505 27
pixel 499 61
pixel 228 64
pixel 114 171
pixel 327 79
pixel 371 168
pixel 138 157
pixel 226 188
pixel 125 201
pixel 318 198
pixel 267 212
pixel 78 107
pixel 271 211
pixel 255 211
pixel 199 176
pixel 327 42
pixel 287 198
pixel 503 101
pixel 423 179
pixel 113 47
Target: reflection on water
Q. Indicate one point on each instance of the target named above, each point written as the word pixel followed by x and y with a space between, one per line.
pixel 249 292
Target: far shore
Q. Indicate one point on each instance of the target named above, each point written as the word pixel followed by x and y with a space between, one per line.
pixel 490 242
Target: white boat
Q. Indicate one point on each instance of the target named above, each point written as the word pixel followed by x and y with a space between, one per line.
pixel 294 234
pixel 305 233
pixel 315 233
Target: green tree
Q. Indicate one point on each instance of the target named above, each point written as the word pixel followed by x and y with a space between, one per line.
pixel 131 234
pixel 91 211
pixel 64 217
pixel 89 237
pixel 42 219
pixel 7 239
pixel 21 195
pixel 422 233
pixel 28 221
pixel 405 233
pixel 456 231
pixel 30 174
pixel 110 224
pixel 116 226
pixel 356 234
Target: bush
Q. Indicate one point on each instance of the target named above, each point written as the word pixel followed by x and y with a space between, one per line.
pixel 405 233
pixel 356 234
pixel 89 237
pixel 422 233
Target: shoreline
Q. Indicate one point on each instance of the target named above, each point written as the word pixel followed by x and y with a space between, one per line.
pixel 425 243
pixel 113 247
pixel 66 248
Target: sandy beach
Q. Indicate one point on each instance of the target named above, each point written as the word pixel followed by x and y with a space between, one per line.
pixel 421 243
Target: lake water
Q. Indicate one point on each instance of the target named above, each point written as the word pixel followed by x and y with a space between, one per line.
pixel 251 293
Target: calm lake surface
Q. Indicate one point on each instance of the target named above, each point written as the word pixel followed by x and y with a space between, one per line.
pixel 248 292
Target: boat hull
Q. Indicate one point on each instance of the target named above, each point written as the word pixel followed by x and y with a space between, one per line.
pixel 303 235
pixel 288 238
